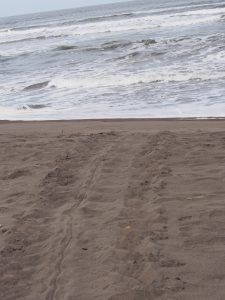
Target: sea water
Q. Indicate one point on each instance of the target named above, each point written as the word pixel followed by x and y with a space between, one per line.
pixel 134 59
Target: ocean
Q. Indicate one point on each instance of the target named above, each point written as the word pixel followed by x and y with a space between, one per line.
pixel 139 59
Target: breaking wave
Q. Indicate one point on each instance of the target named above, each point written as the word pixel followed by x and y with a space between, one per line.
pixel 103 18
pixel 137 23
pixel 126 80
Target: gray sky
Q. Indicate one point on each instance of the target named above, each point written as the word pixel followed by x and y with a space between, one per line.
pixel 17 7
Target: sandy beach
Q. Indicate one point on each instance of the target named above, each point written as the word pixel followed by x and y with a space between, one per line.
pixel 112 210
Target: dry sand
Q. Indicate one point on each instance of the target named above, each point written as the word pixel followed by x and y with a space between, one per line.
pixel 112 210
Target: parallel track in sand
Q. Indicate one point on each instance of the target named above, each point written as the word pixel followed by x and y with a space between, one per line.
pixel 112 216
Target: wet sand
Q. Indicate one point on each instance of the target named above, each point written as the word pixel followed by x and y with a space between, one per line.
pixel 112 210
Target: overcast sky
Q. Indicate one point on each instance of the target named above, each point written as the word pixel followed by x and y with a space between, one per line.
pixel 17 7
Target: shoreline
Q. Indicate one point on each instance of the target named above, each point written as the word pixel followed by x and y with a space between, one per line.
pixel 117 119
pixel 104 125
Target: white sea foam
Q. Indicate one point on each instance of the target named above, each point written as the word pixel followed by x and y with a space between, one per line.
pixel 218 57
pixel 88 111
pixel 177 8
pixel 138 23
pixel 131 79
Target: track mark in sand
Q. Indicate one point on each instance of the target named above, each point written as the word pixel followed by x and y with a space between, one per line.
pixel 144 237
pixel 17 173
pixel 109 178
pixel 66 242
pixel 41 232
pixel 95 164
